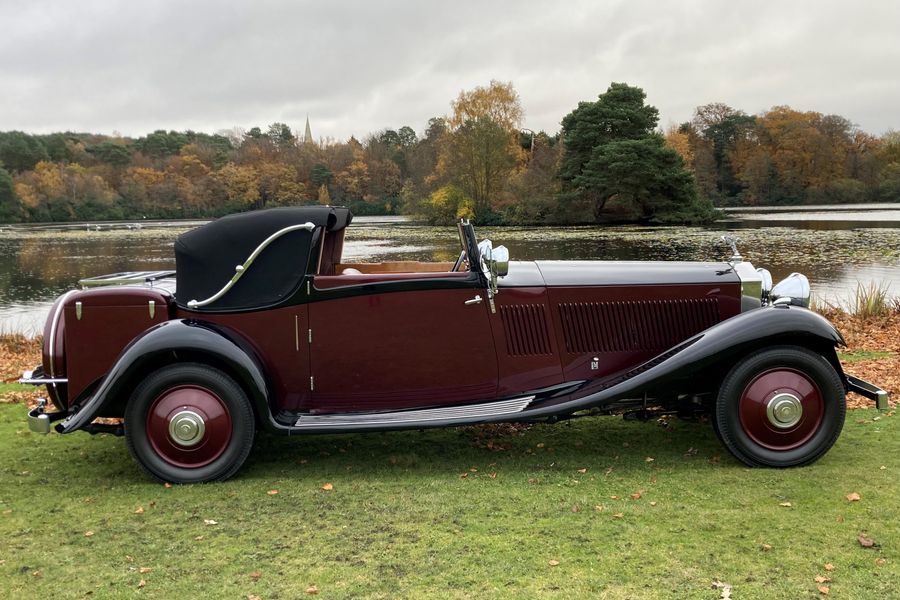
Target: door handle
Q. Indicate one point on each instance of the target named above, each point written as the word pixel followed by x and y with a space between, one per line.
pixel 475 300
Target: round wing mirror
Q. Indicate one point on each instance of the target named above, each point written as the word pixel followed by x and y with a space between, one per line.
pixel 485 249
pixel 500 261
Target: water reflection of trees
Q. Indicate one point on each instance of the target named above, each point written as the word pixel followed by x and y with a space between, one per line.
pixel 39 266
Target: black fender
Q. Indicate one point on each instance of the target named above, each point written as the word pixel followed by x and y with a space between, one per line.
pixel 162 343
pixel 721 344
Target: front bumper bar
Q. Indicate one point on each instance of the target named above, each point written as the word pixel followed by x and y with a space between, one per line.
pixel 869 390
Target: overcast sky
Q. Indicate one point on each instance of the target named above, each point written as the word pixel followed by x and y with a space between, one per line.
pixel 359 67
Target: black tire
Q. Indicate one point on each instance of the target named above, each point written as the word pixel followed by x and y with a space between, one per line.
pixel 204 397
pixel 780 407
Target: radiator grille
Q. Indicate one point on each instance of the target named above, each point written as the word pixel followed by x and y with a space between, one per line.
pixel 636 326
pixel 526 329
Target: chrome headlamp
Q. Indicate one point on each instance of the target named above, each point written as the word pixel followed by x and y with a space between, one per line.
pixel 793 289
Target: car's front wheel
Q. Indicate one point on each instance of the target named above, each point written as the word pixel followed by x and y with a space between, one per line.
pixel 189 423
pixel 781 407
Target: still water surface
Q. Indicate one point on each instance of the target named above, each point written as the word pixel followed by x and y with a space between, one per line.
pixel 837 247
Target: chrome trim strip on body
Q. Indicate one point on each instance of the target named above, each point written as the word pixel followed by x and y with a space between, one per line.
pixel 241 269
pixel 467 412
pixel 127 278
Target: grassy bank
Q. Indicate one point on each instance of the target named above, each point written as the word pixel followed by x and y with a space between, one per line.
pixel 597 507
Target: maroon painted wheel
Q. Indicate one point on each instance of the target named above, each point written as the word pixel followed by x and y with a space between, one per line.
pixel 189 426
pixel 780 407
pixel 189 423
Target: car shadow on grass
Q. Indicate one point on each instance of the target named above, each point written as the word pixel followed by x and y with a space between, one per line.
pixel 597 442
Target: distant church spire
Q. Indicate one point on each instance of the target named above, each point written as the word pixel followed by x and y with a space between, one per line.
pixel 307 135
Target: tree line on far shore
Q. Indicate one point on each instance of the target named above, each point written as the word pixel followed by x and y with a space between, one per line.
pixel 608 162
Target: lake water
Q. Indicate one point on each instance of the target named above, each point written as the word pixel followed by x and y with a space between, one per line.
pixel 837 247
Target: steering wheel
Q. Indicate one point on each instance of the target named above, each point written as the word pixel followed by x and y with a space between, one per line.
pixel 459 261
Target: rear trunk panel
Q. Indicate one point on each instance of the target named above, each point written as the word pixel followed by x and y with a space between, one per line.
pixel 106 321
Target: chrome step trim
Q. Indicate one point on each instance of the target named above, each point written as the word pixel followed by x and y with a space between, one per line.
pixel 468 412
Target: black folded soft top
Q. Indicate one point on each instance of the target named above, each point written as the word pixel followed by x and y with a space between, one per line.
pixel 206 257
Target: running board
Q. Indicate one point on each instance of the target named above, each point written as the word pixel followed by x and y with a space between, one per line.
pixel 463 414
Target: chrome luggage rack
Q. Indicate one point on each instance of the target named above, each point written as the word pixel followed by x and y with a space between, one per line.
pixel 125 278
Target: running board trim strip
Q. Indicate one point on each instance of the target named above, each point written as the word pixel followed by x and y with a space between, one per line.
pixel 470 412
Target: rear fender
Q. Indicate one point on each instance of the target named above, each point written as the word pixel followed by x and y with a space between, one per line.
pixel 169 343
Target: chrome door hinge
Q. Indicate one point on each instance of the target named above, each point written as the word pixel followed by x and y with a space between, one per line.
pixel 78 310
pixel 312 383
pixel 308 292
pixel 309 335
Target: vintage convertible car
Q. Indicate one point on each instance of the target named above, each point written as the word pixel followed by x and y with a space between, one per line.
pixel 262 326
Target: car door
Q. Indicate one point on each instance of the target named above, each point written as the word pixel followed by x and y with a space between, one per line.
pixel 399 340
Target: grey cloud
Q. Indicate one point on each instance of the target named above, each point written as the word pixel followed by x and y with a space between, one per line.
pixel 360 67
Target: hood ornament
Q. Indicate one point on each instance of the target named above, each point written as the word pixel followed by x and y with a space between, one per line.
pixel 732 242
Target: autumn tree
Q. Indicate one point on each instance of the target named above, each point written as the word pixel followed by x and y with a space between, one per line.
pixel 532 191
pixel 720 129
pixel 480 149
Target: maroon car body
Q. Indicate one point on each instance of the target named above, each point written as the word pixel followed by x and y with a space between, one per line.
pixel 262 326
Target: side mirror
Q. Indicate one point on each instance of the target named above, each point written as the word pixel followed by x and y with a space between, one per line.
pixel 500 261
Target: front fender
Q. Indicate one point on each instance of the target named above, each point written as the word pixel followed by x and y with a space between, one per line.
pixel 718 345
pixel 167 340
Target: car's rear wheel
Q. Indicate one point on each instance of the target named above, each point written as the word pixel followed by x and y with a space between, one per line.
pixel 781 407
pixel 189 423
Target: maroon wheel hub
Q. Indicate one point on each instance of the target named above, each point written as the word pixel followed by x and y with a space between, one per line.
pixel 189 426
pixel 780 409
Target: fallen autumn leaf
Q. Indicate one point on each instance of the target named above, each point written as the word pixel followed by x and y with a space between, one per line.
pixel 328 487
pixel 853 497
pixel 865 541
pixel 553 562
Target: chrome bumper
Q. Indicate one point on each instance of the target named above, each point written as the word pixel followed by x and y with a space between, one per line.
pixel 870 391
pixel 36 377
pixel 40 421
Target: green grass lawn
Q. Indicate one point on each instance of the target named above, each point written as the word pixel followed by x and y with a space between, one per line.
pixel 439 514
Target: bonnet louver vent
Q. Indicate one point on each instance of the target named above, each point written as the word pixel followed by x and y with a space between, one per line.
pixel 526 329
pixel 647 325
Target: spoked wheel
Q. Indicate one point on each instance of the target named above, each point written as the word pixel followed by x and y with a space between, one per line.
pixel 782 407
pixel 189 423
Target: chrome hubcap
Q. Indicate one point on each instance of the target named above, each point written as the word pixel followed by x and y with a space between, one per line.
pixel 186 428
pixel 784 410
